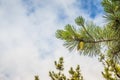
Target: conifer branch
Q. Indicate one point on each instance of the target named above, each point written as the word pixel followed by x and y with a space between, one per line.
pixel 87 32
pixel 98 41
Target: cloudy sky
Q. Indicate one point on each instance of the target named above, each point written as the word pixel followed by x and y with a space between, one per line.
pixel 28 45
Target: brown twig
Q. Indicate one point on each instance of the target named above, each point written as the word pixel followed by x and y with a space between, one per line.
pixel 97 41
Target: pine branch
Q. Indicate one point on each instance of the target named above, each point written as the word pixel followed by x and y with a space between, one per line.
pixel 116 71
pixel 87 32
pixel 80 21
pixel 98 41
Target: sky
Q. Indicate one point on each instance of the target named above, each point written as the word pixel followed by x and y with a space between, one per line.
pixel 28 45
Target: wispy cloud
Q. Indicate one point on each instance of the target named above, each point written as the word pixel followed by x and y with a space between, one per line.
pixel 27 38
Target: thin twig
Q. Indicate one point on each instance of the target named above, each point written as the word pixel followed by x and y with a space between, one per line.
pixel 87 32
pixel 98 41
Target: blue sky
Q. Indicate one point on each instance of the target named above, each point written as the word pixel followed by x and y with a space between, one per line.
pixel 92 7
pixel 28 45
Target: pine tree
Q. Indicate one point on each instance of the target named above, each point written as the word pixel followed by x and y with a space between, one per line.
pixel 36 77
pixel 74 74
pixel 91 39
pixel 111 68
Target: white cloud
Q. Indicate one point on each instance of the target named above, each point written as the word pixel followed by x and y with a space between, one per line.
pixel 27 42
